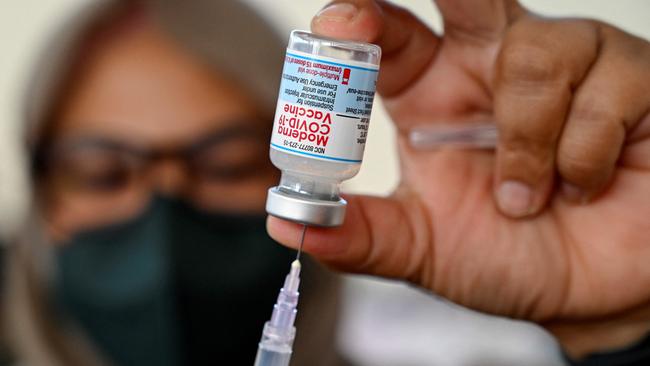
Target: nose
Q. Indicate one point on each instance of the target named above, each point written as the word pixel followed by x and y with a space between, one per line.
pixel 169 177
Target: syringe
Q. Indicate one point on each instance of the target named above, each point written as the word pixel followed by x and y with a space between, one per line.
pixel 276 345
pixel 482 135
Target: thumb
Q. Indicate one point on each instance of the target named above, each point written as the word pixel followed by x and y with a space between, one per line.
pixel 407 44
pixel 387 237
pixel 477 20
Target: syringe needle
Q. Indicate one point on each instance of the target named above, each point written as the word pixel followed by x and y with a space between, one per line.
pixel 276 345
pixel 302 241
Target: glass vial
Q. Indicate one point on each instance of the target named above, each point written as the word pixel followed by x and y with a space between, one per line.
pixel 321 124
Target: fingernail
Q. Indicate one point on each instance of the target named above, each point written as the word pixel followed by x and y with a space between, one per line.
pixel 338 12
pixel 574 193
pixel 515 198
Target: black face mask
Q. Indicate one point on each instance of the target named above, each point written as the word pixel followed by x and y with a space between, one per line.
pixel 174 286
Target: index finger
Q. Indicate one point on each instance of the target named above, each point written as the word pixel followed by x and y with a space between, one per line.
pixel 408 45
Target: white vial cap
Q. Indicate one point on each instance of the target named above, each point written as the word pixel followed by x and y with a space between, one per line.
pixel 304 210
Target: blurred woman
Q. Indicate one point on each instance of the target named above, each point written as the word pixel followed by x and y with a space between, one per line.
pixel 148 128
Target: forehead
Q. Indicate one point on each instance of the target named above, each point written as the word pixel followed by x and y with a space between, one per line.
pixel 142 87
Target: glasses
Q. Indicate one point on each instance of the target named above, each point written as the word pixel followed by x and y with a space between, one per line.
pixel 105 167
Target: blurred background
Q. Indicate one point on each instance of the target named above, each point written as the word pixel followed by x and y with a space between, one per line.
pixel 384 323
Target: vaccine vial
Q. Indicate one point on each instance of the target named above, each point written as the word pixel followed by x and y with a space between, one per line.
pixel 320 126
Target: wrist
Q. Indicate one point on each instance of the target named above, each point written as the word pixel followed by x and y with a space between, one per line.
pixel 581 338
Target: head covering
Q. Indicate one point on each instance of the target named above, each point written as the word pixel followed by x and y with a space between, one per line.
pixel 226 34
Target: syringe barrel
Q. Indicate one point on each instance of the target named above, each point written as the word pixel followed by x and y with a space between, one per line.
pixel 275 347
pixel 279 332
pixel 267 356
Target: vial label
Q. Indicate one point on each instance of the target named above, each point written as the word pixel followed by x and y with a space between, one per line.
pixel 324 107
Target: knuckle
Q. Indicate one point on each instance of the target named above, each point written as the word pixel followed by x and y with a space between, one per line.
pixel 525 163
pixel 525 64
pixel 576 168
pixel 528 150
pixel 589 109
pixel 528 136
pixel 590 145
pixel 545 52
pixel 581 164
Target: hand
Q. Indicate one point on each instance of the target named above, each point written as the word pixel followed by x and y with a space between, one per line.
pixel 570 98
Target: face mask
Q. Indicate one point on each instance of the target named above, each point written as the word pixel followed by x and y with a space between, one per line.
pixel 174 286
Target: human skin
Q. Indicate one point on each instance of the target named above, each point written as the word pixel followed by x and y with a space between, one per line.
pixel 138 87
pixel 551 228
